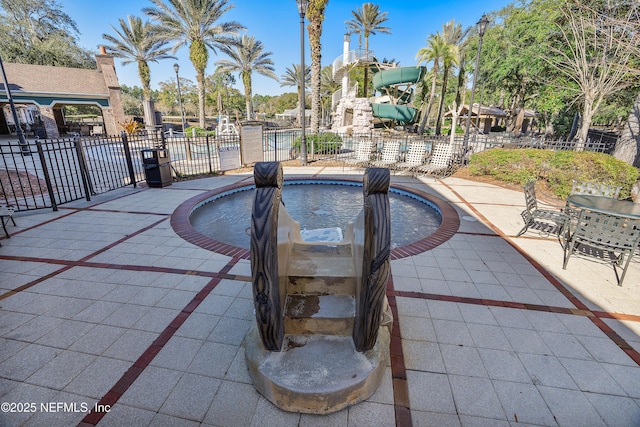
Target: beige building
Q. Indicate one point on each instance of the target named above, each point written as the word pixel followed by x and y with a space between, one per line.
pixel 40 92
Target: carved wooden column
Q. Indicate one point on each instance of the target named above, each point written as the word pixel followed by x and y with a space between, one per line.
pixel 264 253
pixel 376 267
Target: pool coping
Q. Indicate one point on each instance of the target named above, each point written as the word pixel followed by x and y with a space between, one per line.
pixel 182 226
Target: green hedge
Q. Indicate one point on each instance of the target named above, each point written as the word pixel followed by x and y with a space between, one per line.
pixel 199 131
pixel 558 168
pixel 324 143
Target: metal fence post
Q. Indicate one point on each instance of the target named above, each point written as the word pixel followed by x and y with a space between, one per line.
pixel 163 139
pixel 275 146
pixel 206 140
pixel 45 172
pixel 129 160
pixel 82 162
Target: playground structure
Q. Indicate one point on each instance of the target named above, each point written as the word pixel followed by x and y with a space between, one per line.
pixel 396 85
pixel 225 127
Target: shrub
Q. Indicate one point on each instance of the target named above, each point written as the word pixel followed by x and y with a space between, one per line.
pixel 447 130
pixel 131 126
pixel 324 143
pixel 557 168
pixel 198 131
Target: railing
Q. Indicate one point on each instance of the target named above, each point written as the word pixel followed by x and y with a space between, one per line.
pixel 483 142
pixel 376 239
pixel 281 145
pixel 46 173
pixel 337 95
pixel 351 57
pixel 192 156
pixel 335 99
pixel 23 180
pixel 268 297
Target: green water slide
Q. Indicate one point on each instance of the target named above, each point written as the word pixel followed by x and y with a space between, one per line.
pixel 386 79
pixel 399 113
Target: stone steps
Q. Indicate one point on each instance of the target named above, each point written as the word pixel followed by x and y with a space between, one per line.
pixel 320 291
pixel 321 270
pixel 318 370
pixel 319 314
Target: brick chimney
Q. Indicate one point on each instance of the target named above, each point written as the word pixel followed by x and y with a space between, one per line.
pixel 115 114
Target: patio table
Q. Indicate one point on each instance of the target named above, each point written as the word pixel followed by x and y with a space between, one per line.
pixel 606 205
pixel 606 228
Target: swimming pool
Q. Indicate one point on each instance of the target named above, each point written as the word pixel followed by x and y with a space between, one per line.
pixel 220 220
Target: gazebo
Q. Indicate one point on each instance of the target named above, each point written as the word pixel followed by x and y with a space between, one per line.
pixel 488 115
pixel 293 115
pixel 491 116
pixel 41 91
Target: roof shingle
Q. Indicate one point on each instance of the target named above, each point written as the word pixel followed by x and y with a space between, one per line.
pixel 49 79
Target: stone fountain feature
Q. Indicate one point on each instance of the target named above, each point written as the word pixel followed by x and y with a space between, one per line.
pixel 321 338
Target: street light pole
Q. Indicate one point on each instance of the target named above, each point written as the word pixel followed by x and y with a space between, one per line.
pixel 24 146
pixel 176 67
pixel 475 134
pixel 481 26
pixel 302 9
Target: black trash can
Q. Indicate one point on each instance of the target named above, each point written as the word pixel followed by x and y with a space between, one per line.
pixel 157 167
pixel 40 132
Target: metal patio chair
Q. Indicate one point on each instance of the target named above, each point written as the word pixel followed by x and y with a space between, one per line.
pixel 442 161
pixel 546 221
pixel 6 215
pixel 595 189
pixel 389 157
pixel 363 154
pixel 591 188
pixel 414 157
pixel 605 236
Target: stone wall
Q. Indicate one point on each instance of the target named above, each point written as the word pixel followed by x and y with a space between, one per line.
pixel 49 122
pixel 355 114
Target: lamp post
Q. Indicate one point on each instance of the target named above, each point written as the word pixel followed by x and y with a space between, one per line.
pixel 22 142
pixel 481 27
pixel 176 67
pixel 475 134
pixel 302 9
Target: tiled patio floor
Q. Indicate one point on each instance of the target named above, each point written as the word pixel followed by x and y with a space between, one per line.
pixel 102 303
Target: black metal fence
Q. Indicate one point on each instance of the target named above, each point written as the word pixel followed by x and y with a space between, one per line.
pixel 48 173
pixel 483 142
pixel 190 156
pixel 23 181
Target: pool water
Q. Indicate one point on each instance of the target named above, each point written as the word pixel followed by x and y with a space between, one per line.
pixel 227 218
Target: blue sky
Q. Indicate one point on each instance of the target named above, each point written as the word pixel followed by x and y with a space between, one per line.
pixel 277 23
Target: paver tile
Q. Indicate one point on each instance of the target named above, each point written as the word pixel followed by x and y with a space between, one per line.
pixel 485 336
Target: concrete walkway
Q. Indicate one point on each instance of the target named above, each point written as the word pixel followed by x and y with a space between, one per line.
pixel 109 318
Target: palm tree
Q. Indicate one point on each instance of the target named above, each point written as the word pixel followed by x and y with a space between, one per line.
pixel 291 77
pixel 195 23
pixel 436 45
pixel 246 56
pixel 135 41
pixel 367 21
pixel 461 92
pixel 452 34
pixel 315 15
pixel 328 85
